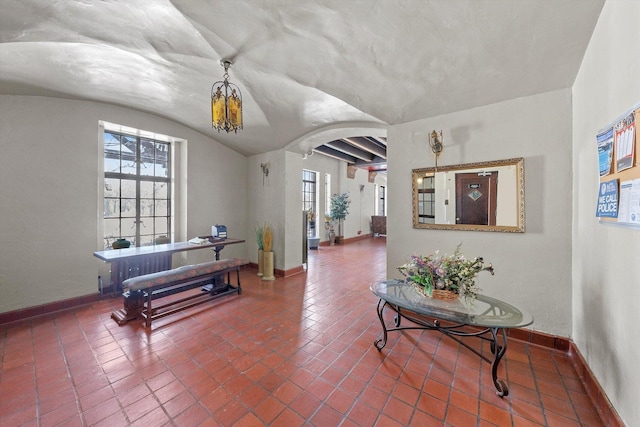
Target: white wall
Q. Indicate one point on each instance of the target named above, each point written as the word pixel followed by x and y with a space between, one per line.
pixel 277 199
pixel 533 269
pixel 606 277
pixel 293 232
pixel 49 162
pixel 323 165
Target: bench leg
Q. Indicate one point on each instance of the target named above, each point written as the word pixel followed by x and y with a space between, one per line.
pixel 148 311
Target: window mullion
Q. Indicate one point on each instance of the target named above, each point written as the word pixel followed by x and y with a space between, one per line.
pixel 138 209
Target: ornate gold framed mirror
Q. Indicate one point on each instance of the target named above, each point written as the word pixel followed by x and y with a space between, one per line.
pixel 483 196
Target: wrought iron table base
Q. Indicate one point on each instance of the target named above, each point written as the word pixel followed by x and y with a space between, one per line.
pixel 454 331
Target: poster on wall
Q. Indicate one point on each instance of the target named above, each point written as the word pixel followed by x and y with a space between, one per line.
pixel 625 142
pixel 619 173
pixel 605 151
pixel 630 202
pixel 608 200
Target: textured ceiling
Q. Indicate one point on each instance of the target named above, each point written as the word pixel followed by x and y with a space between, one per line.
pixel 310 71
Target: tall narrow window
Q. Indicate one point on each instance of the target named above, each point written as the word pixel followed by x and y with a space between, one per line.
pixel 309 181
pixel 382 195
pixel 137 189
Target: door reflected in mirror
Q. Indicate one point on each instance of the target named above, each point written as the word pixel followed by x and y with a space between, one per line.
pixel 484 196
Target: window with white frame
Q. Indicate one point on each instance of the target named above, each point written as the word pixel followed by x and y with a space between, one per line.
pixel 309 197
pixel 137 189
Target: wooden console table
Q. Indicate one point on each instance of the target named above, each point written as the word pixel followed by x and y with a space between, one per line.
pixel 131 262
pixel 485 318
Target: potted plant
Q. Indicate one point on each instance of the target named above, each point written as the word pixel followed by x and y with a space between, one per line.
pixel 339 209
pixel 267 242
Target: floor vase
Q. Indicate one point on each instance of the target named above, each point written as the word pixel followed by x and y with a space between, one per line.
pixel 268 266
pixel 260 262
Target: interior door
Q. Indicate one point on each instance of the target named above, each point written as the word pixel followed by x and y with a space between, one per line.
pixel 476 195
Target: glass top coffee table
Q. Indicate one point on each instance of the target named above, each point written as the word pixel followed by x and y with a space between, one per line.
pixel 485 318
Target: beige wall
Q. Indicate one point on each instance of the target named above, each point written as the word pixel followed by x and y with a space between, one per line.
pixel 267 205
pixel 606 277
pixel 49 208
pixel 323 165
pixel 533 269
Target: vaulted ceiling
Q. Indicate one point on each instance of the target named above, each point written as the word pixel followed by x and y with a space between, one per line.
pixel 322 75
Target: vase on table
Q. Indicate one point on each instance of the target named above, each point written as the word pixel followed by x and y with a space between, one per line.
pixel 440 294
pixel 121 244
pixel 444 295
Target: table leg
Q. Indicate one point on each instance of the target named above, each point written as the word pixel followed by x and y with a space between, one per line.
pixel 455 332
pixel 498 351
pixel 381 342
pixel 133 305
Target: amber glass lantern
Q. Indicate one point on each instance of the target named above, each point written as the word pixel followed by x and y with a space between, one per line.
pixel 226 103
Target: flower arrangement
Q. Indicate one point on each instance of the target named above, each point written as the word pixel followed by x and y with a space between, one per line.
pixel 267 238
pixel 453 273
pixel 311 215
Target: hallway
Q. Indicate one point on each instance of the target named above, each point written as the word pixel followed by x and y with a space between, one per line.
pixel 292 352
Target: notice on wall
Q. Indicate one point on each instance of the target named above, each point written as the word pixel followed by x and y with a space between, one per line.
pixel 629 208
pixel 605 151
pixel 608 199
pixel 625 142
pixel 619 172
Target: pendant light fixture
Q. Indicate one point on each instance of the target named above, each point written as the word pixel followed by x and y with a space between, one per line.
pixel 226 103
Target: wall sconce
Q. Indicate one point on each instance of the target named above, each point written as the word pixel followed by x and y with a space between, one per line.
pixel 265 170
pixel 435 144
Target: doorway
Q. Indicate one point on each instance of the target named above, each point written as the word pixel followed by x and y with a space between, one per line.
pixel 476 195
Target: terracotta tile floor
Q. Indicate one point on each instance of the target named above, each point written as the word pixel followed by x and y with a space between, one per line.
pixel 292 352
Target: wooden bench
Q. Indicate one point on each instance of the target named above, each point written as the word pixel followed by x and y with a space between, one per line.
pixel 210 276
